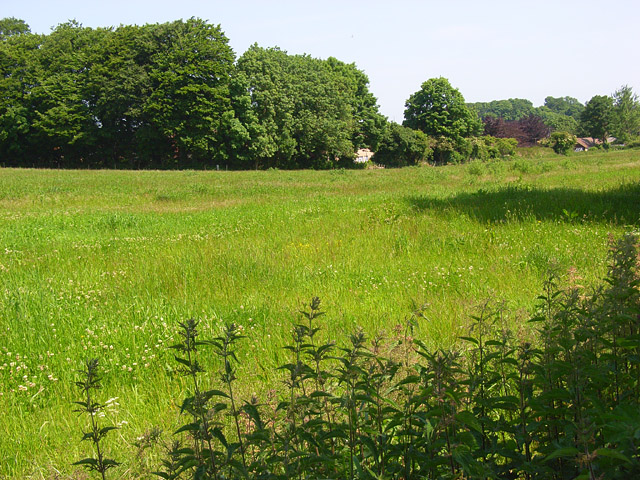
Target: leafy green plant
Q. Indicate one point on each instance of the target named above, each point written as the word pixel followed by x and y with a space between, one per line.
pixel 96 433
pixel 562 142
pixel 202 457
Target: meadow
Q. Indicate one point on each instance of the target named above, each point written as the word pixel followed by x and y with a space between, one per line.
pixel 105 263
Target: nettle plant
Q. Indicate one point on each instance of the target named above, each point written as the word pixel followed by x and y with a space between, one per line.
pixel 95 433
pixel 561 404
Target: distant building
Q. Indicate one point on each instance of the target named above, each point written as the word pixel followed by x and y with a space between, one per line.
pixel 363 155
pixel 585 143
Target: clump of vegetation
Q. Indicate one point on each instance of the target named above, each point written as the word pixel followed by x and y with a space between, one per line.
pixel 562 142
pixel 560 404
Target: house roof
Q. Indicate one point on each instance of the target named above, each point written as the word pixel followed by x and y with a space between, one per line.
pixel 589 142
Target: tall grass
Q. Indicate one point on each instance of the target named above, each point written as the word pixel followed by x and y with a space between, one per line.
pixel 560 405
pixel 106 263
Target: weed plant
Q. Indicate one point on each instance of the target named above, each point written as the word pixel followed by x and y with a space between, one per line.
pixel 565 405
pixel 96 433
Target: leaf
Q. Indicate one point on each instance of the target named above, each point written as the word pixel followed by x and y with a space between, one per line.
pixel 89 462
pixel 105 430
pixel 218 393
pixel 217 433
pixel 562 452
pixel 189 427
pixel 370 444
pixel 88 436
pixel 469 420
pixel 610 453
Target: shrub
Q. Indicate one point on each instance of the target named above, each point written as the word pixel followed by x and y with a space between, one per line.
pixel 401 146
pixel 488 147
pixel 562 142
pixel 633 143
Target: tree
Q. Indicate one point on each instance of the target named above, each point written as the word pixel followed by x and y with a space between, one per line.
pixel 118 86
pixel 509 110
pixel 439 110
pixel 64 128
pixel 18 77
pixel 557 121
pixel 568 106
pixel 625 116
pixel 189 71
pixel 527 130
pixel 595 120
pixel 295 111
pixel 534 129
pixel 11 26
pixel 401 146
pixel 369 124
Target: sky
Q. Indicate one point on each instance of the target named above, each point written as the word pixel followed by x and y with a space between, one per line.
pixel 489 50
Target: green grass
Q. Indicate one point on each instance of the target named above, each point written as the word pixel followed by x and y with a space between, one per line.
pixel 104 263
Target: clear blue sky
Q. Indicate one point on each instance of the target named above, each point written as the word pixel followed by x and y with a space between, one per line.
pixel 489 49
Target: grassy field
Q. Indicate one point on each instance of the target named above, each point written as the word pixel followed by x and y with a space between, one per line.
pixel 105 263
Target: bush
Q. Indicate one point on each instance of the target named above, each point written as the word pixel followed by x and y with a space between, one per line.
pixel 401 146
pixel 562 142
pixel 488 147
pixel 633 143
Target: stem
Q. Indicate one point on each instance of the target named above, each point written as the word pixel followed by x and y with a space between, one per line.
pixel 233 409
pixel 94 428
pixel 200 411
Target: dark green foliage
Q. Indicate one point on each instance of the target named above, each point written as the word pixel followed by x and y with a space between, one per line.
pixel 149 96
pixel 303 112
pixel 625 117
pixel 12 26
pixel 557 121
pixel 595 120
pixel 401 146
pixel 438 110
pixel 488 147
pixel 568 106
pixel 556 113
pixel 509 110
pixel 170 96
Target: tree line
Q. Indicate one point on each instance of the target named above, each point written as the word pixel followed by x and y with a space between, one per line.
pixel 617 115
pixel 174 95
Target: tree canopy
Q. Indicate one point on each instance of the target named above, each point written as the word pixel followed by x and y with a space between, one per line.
pixel 625 114
pixel 568 106
pixel 306 112
pixel 148 96
pixel 595 120
pixel 512 109
pixel 439 110
pixel 402 146
pixel 12 26
pixel 171 95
